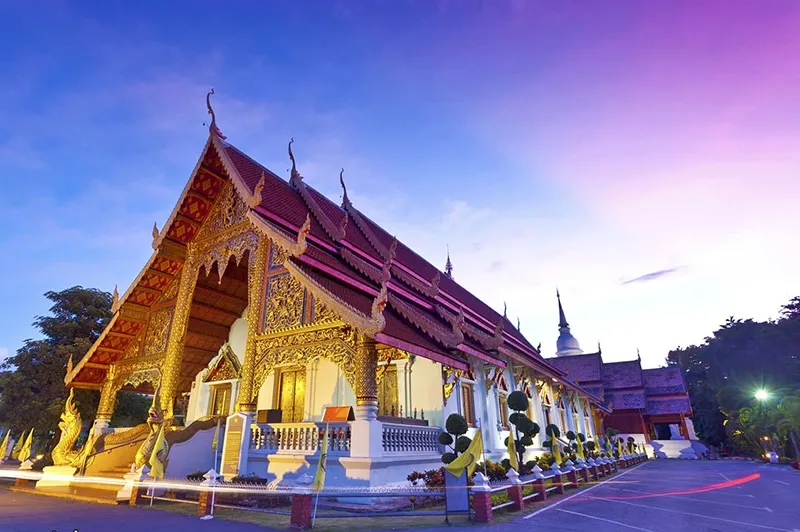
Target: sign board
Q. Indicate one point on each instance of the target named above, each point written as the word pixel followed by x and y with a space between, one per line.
pixel 456 493
pixel 233 445
pixel 335 414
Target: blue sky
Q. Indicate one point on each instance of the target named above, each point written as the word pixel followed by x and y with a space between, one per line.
pixel 546 143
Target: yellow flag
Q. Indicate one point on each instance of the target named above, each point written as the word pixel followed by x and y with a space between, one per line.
pixel 319 478
pixel 579 450
pixel 158 458
pixel 4 445
pixel 215 441
pixel 556 450
pixel 25 453
pixel 18 446
pixel 469 459
pixel 512 451
pixel 620 450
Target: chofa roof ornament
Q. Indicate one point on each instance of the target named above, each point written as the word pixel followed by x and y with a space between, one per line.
pixel 212 128
pixel 295 175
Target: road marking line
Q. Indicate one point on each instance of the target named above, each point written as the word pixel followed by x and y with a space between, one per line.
pixel 692 514
pixel 782 482
pixel 605 520
pixel 698 500
pixel 537 512
pixel 723 476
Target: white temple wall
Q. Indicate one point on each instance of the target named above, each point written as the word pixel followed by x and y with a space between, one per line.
pixel 237 337
pixel 426 392
pixel 265 393
pixel 326 386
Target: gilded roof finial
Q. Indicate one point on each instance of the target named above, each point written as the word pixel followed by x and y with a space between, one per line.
pixel 518 327
pixel 114 300
pixel 155 235
pixel 505 310
pixel 255 200
pixel 599 351
pixel 345 200
pixel 295 174
pixel 212 128
pixel 69 367
pixel 448 266
pixel 638 356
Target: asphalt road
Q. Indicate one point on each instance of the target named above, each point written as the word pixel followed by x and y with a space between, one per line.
pixel 673 496
pixel 657 496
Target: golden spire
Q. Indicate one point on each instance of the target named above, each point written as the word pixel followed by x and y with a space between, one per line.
pixel 212 128
pixel 448 267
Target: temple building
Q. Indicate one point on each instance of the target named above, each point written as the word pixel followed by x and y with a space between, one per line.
pixel 268 305
pixel 651 405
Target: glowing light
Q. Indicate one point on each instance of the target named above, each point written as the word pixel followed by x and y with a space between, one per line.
pixel 762 394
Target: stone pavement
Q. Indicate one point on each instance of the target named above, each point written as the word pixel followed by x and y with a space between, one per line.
pixel 657 496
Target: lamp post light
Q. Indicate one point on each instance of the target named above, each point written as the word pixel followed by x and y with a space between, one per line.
pixel 762 394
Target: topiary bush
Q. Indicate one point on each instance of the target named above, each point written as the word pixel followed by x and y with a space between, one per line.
pixel 456 427
pixel 524 428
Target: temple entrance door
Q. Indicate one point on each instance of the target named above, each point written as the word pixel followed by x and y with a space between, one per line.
pixel 292 395
pixel 387 393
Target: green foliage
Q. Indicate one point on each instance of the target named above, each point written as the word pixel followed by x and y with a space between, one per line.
pixel 723 373
pixel 32 381
pixel 456 425
pixel 552 430
pixel 518 401
pixel 462 443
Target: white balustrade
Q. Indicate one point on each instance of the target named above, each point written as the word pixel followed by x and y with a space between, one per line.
pixel 299 438
pixel 398 438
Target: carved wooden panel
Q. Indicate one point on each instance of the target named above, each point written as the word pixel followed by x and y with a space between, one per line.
pixel 158 332
pixel 284 308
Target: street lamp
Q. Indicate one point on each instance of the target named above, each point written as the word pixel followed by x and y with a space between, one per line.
pixel 762 394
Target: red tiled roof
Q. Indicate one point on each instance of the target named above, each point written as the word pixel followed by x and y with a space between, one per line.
pixel 626 374
pixel 663 381
pixel 584 368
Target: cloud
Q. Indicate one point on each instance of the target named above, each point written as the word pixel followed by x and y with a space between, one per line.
pixel 652 276
pixel 3 354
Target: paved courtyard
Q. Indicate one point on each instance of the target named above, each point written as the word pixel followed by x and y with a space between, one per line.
pixel 656 496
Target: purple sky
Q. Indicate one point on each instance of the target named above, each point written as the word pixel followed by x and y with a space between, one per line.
pixel 582 145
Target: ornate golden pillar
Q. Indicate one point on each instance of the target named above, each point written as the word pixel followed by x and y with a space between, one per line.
pixel 108 398
pixel 366 382
pixel 171 366
pixel 256 277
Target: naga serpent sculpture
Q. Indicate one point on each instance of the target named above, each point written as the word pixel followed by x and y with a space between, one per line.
pixel 70 425
pixel 155 420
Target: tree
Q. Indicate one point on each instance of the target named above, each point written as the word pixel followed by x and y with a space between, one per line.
pixel 32 381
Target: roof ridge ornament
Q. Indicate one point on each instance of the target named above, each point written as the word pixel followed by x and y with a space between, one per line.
pixel 459 324
pixel 257 197
pixel 505 310
pixel 69 369
pixel 302 233
pixel 378 306
pixel 448 266
pixel 386 271
pixel 295 175
pixel 518 327
pixel 212 128
pixel 345 200
pixel 115 300
pixel 434 290
pixel 156 234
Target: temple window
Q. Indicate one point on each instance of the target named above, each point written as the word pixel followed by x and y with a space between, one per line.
pixel 220 401
pixel 387 392
pixel 467 403
pixel 502 403
pixel 562 414
pixel 291 394
pixel 546 405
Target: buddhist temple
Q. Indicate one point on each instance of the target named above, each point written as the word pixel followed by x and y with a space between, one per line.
pixel 651 405
pixel 268 306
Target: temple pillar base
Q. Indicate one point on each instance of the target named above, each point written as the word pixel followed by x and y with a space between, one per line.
pixel 56 476
pixel 100 426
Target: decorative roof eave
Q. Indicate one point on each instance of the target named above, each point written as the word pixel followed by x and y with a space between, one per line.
pixel 296 180
pixel 77 369
pixel 368 325
pixel 409 347
pixel 486 341
pixel 365 230
pixel 482 356
pixel 238 182
pixel 451 339
pixel 294 247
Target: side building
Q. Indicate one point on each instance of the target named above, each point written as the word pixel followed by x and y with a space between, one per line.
pixel 650 405
pixel 269 306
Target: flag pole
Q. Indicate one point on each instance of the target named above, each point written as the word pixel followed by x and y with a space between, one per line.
pixel 483 448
